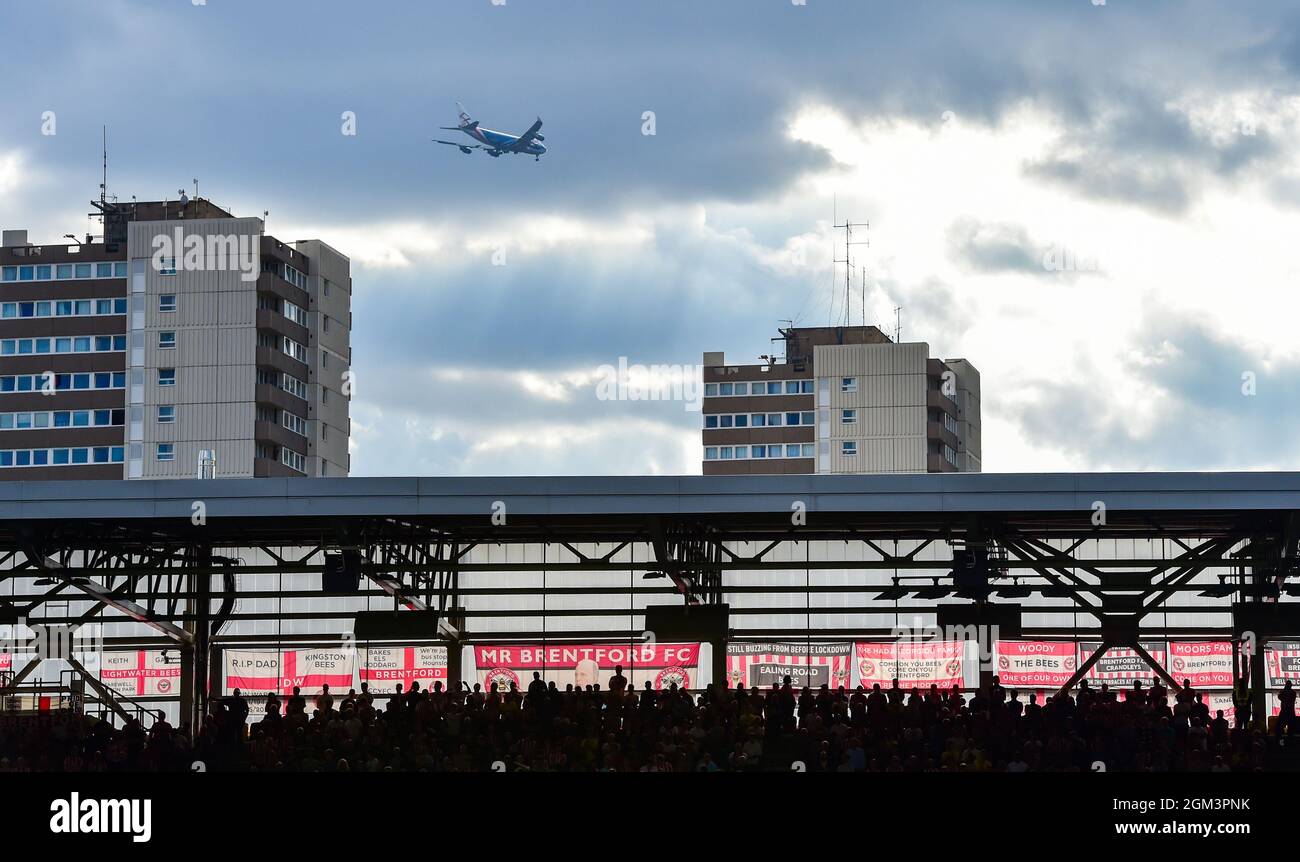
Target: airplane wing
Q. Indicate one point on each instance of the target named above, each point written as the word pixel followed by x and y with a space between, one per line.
pixel 457 144
pixel 527 137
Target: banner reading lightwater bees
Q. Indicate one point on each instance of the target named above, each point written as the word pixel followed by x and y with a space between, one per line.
pixel 580 665
pixel 140 673
pixel 768 664
pixel 1046 664
pixel 384 668
pixel 918 665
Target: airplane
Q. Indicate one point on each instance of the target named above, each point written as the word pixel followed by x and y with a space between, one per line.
pixel 496 143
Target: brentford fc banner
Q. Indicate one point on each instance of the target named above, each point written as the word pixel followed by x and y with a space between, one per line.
pixel 6 661
pixel 384 668
pixel 1207 664
pixel 767 664
pixel 582 665
pixel 914 664
pixel 1048 664
pixel 1283 660
pixel 1121 667
pixel 260 672
pixel 140 673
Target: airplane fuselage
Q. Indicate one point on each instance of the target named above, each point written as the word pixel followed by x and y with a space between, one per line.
pixel 501 140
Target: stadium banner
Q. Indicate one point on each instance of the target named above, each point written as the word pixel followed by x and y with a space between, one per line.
pixel 257 673
pixel 915 664
pixel 140 673
pixel 1207 664
pixel 1120 667
pixel 1283 660
pixel 767 664
pixel 384 668
pixel 1035 664
pixel 581 665
pixel 6 661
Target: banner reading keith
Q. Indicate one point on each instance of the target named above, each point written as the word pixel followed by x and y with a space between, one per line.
pixel 582 665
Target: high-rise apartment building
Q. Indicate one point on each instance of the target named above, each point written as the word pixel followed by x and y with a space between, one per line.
pixel 184 336
pixel 845 399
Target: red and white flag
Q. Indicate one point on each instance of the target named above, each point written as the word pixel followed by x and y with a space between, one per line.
pixel 1121 667
pixel 1207 664
pixel 767 664
pixel 915 664
pixel 1032 664
pixel 140 673
pixel 383 668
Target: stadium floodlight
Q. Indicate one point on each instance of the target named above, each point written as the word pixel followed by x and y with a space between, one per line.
pixel 891 594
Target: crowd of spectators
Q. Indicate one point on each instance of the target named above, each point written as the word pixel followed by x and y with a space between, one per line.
pixel 618 728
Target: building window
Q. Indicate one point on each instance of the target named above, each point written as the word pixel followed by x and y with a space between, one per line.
pixel 166 340
pixel 166 302
pixel 293 422
pixel 166 451
pixel 710 453
pixel 325 323
pixel 848 384
pixel 166 376
pixel 166 413
pixel 710 389
pixel 167 266
pixel 290 458
pixel 293 348
pixel 848 417
pixel 849 448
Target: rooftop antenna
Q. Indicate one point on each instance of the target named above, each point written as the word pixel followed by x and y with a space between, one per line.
pixel 848 227
pixel 103 186
pixel 196 188
pixel 898 324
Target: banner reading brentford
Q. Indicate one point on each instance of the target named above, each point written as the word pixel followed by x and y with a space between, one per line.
pixel 140 673
pixel 1121 667
pixel 915 664
pixel 1207 664
pixel 384 668
pixel 768 664
pixel 1283 660
pixel 581 665
pixel 1047 664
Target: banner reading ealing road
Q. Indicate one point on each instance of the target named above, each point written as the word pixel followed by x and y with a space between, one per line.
pixel 915 664
pixel 581 665
pixel 767 664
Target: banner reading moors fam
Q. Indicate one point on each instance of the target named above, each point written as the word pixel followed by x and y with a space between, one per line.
pixel 1206 664
pixel 767 664
pixel 915 665
pixel 1046 664
pixel 582 665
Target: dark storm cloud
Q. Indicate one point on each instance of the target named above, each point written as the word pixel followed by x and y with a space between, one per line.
pixel 994 248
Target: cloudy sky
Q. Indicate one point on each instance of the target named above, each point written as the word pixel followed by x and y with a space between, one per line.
pixel 1098 205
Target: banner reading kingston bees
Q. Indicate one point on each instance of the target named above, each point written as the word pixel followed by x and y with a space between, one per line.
pixel 1207 664
pixel 915 664
pixel 1283 660
pixel 581 665
pixel 257 673
pixel 767 664
pixel 384 668
pixel 1047 664
pixel 1121 667
pixel 140 673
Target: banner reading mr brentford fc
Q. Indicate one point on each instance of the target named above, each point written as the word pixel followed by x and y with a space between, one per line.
pixel 1208 664
pixel 257 673
pixel 587 664
pixel 915 664
pixel 140 673
pixel 1048 664
pixel 384 668
pixel 768 664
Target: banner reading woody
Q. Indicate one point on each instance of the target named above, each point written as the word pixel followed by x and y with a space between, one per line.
pixel 384 668
pixel 915 664
pixel 1206 664
pixel 1035 664
pixel 582 665
pixel 767 664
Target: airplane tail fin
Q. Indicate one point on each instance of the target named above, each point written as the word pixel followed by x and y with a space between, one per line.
pixel 465 119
